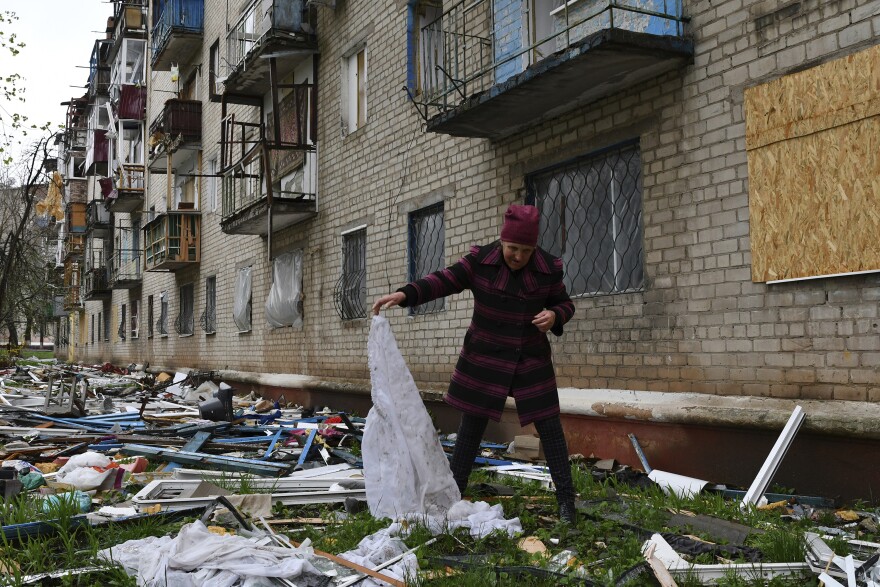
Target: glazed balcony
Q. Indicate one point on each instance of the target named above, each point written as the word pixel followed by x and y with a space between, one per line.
pixel 487 71
pixel 266 44
pixel 177 31
pixel 126 270
pixel 96 285
pixel 129 195
pixel 171 241
pixel 73 295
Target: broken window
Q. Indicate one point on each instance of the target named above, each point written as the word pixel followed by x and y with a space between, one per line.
pixel 150 317
pixel 241 308
pixel 106 323
pixel 426 238
pixel 134 322
pixel 162 322
pixel 284 304
pixel 354 90
pixel 92 330
pixel 214 89
pixel 425 46
pixel 591 218
pixel 209 314
pixel 122 324
pixel 184 323
pixel 99 331
pixel 350 293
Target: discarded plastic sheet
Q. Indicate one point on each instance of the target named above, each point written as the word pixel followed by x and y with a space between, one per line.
pixel 679 485
pixel 711 574
pixel 405 468
pixel 777 453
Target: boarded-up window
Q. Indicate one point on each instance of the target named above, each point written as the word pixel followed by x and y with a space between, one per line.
pixel 814 170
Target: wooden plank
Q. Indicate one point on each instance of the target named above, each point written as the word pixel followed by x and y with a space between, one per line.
pixel 358 568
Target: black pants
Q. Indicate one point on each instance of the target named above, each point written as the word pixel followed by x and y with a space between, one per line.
pixel 467 445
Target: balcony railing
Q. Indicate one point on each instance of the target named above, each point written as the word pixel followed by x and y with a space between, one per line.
pixel 74 247
pixel 126 271
pixel 177 30
pixel 171 241
pixel 73 298
pixel 180 121
pixel 129 193
pixel 263 23
pixel 96 285
pixel 478 45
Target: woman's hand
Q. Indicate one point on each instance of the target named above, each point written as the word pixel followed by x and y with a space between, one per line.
pixel 545 320
pixel 385 302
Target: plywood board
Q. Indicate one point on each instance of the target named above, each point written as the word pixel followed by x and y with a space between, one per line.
pixel 814 170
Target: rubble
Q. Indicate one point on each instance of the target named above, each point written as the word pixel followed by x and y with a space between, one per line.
pixel 87 448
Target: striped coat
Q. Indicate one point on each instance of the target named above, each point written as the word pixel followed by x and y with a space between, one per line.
pixel 503 353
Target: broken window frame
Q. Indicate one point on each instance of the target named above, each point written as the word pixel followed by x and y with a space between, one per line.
pixel 426 251
pixel 134 318
pixel 149 316
pixel 184 325
pixel 595 228
pixel 208 320
pixel 284 302
pixel 120 331
pixel 350 293
pixel 424 46
pixel 242 307
pixel 162 322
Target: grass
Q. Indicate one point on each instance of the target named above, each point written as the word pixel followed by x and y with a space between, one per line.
pixel 607 541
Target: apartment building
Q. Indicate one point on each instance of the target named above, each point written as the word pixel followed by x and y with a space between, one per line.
pixel 255 172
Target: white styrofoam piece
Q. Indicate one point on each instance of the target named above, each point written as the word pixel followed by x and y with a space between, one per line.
pixel 679 485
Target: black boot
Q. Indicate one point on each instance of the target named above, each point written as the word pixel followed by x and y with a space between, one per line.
pixel 556 452
pixel 467 445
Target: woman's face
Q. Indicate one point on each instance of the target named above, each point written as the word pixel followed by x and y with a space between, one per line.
pixel 516 256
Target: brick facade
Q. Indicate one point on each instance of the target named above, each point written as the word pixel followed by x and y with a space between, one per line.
pixel 700 324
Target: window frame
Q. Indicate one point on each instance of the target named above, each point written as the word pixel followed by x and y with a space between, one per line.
pixel 210 320
pixel 418 268
pixel 185 324
pixel 353 276
pixel 355 89
pixel 601 195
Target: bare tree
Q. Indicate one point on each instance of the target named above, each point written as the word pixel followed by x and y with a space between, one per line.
pixel 23 246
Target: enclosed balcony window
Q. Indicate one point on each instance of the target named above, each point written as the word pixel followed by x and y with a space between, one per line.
pixel 171 241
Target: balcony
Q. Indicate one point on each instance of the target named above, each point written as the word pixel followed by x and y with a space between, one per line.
pixel 178 127
pixel 126 271
pixel 171 241
pixel 129 195
pixel 266 44
pixel 178 27
pixel 271 185
pixel 74 247
pixel 96 285
pixel 58 307
pixel 490 72
pixel 73 298
pixel 97 219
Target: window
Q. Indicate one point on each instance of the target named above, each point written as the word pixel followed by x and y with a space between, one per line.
pixel 184 323
pixel 162 322
pixel 92 330
pixel 241 307
pixel 107 323
pixel 99 331
pixel 354 90
pixel 284 304
pixel 350 293
pixel 209 314
pixel 426 250
pixel 123 324
pixel 425 46
pixel 134 322
pixel 591 217
pixel 214 71
pixel 150 317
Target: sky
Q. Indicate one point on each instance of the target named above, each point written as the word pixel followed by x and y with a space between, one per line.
pixel 59 35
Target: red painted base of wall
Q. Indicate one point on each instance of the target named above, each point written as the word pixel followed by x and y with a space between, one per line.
pixel 844 469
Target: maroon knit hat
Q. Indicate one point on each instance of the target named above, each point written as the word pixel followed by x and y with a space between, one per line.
pixel 521 225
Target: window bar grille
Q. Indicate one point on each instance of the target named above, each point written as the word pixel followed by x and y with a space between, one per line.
pixel 350 292
pixel 426 253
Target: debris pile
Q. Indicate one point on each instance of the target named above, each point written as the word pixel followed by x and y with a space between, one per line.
pixel 251 492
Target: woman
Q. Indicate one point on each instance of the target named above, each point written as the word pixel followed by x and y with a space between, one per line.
pixel 518 297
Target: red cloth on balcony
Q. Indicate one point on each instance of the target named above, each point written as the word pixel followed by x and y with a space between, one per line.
pixel 132 102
